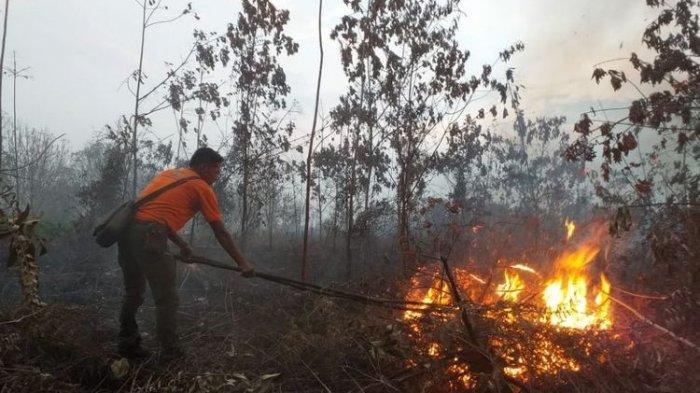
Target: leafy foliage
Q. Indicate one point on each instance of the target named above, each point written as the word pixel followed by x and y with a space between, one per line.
pixel 407 74
pixel 250 50
pixel 671 110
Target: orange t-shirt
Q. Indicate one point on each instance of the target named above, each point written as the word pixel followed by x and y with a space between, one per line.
pixel 178 205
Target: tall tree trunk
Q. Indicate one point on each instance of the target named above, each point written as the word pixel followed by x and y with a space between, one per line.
pixel 402 219
pixel 370 134
pixel 311 148
pixel 349 223
pixel 245 111
pixel 370 167
pixel 334 225
pixel 179 137
pixel 352 186
pixel 271 207
pixel 193 224
pixel 296 210
pixel 405 157
pixel 320 208
pixel 14 123
pixel 319 178
pixel 248 114
pixel 137 101
pixel 404 195
pixel 2 62
pixel 244 202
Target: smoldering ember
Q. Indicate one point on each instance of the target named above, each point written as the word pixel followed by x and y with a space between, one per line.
pixel 350 196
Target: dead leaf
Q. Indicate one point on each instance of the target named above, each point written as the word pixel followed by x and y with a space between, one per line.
pixel 120 368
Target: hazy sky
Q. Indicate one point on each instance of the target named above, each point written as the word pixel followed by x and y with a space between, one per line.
pixel 81 51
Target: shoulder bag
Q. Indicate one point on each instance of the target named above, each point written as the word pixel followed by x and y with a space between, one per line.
pixel 111 228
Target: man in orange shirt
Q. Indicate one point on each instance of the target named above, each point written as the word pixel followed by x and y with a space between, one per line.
pixel 143 246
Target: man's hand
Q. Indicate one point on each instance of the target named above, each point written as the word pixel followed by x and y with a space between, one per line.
pixel 186 253
pixel 224 238
pixel 248 272
pixel 185 250
pixel 246 269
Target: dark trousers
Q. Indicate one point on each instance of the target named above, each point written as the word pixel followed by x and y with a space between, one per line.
pixel 142 257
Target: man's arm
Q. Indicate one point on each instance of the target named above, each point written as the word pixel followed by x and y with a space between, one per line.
pixel 226 241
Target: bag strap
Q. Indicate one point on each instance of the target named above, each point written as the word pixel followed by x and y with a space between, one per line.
pixel 161 190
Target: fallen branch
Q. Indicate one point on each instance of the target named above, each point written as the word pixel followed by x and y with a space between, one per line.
pixel 651 323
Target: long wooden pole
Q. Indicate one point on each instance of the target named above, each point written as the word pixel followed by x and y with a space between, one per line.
pixel 305 250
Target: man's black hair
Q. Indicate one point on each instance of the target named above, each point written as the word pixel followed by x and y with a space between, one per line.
pixel 205 156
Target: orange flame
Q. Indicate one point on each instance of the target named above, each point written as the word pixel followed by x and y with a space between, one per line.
pixel 570 228
pixel 477 278
pixel 438 293
pixel 511 287
pixel 566 295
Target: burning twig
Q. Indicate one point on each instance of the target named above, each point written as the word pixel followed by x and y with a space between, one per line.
pixel 458 300
pixel 502 384
pixel 484 292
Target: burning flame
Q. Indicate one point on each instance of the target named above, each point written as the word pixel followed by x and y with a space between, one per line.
pixel 511 287
pixel 566 295
pixel 571 298
pixel 438 293
pixel 570 228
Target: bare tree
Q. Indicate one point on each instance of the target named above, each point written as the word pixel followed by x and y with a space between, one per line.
pixel 43 168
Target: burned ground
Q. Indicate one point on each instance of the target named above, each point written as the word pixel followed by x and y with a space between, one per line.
pixel 251 335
